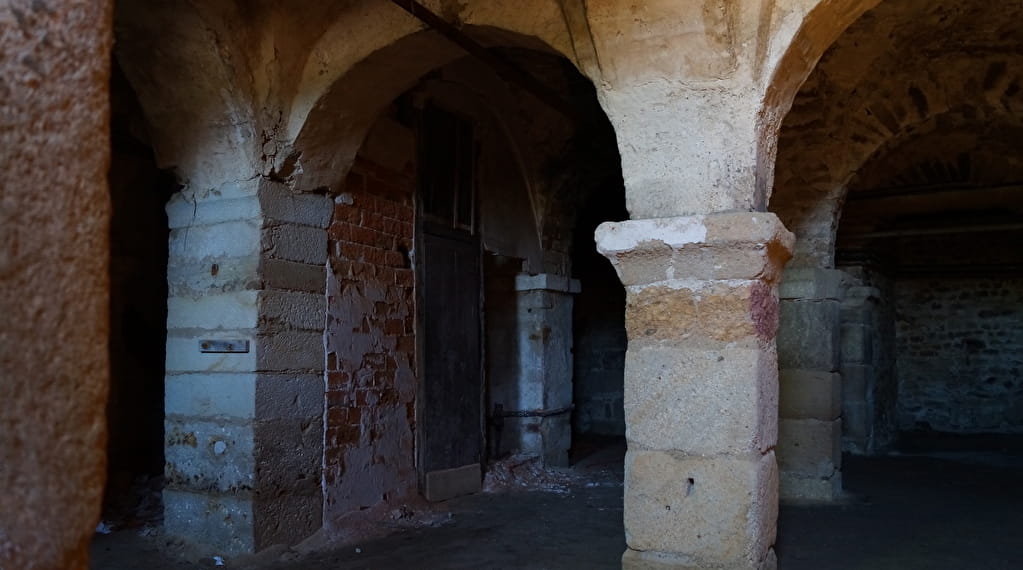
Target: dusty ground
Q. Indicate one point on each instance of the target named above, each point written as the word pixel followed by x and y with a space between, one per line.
pixel 933 507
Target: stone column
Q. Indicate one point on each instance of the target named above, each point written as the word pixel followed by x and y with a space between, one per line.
pixel 538 400
pixel 245 359
pixel 701 387
pixel 810 428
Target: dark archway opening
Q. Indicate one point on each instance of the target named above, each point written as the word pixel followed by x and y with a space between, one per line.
pixel 138 318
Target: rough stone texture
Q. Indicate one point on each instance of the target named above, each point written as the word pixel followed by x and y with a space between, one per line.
pixel 959 346
pixel 712 512
pixel 810 394
pixel 54 215
pixel 701 386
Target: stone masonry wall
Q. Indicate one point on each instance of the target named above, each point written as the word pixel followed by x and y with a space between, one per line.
pixel 371 378
pixel 960 354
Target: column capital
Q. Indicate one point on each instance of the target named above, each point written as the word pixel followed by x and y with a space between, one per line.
pixel 722 246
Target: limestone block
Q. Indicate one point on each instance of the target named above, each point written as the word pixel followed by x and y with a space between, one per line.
pixel 208 455
pixel 183 211
pixel 293 242
pixel 183 353
pixel 701 402
pixel 225 239
pixel 808 335
pixel 283 274
pixel 810 447
pixel 651 560
pixel 221 521
pixel 288 396
pixel 857 382
pixel 856 344
pixel 293 309
pixel 719 511
pixel 235 310
pixel 188 277
pixel 716 246
pixel 279 203
pixel 725 312
pixel 286 518
pixel 809 394
pixel 291 350
pixel 289 453
pixel 798 488
pixel 811 283
pixel 211 394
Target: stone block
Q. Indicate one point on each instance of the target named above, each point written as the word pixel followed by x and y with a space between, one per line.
pixel 235 310
pixel 856 382
pixel 226 394
pixel 723 312
pixel 289 396
pixel 798 488
pixel 286 518
pixel 810 447
pixel 292 242
pixel 809 394
pixel 196 277
pixel 808 335
pixel 701 401
pixel 291 350
pixel 856 344
pixel 183 354
pixel 292 309
pixel 226 239
pixel 651 560
pixel 721 512
pixel 811 283
pixel 289 454
pixel 213 456
pixel 281 204
pixel 183 212
pixel 282 274
pixel 223 523
pixel 711 247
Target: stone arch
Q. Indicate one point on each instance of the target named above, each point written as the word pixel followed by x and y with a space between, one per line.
pixel 818 30
pixel 329 136
pixel 900 80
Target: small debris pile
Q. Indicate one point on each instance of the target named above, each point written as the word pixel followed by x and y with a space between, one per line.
pixel 528 472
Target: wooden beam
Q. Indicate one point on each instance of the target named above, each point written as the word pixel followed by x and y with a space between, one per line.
pixel 504 68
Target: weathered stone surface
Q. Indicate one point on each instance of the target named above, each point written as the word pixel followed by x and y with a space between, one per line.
pixel 701 402
pixel 652 560
pixel 810 447
pixel 725 312
pixel 54 260
pixel 715 246
pixel 220 522
pixel 808 335
pixel 799 488
pixel 718 511
pixel 211 394
pixel 811 283
pixel 809 394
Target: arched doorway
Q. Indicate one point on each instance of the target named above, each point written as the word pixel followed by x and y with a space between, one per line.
pixel 892 164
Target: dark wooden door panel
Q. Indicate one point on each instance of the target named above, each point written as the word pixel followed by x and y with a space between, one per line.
pixel 451 405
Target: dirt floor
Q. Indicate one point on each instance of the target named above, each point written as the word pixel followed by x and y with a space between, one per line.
pixel 933 506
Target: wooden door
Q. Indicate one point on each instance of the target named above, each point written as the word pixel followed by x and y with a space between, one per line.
pixel 451 438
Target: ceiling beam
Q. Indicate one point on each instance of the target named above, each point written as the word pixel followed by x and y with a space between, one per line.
pixel 504 68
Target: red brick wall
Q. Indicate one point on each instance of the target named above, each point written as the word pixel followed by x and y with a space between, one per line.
pixel 371 381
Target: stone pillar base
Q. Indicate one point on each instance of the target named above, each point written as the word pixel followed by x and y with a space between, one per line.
pixel 701 387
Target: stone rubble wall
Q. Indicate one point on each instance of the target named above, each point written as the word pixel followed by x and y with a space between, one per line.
pixel 960 354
